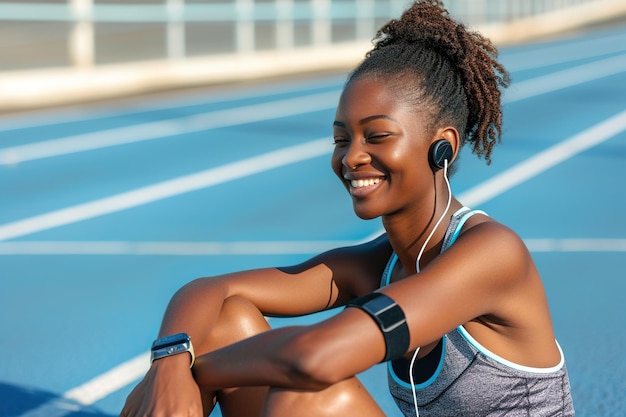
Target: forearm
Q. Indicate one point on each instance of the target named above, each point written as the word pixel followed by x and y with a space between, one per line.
pixel 299 357
pixel 262 360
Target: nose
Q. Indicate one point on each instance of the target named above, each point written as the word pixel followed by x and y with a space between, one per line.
pixel 356 155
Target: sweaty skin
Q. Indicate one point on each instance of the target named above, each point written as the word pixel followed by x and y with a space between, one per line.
pixel 381 158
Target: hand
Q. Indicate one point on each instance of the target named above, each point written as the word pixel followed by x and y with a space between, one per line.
pixel 167 390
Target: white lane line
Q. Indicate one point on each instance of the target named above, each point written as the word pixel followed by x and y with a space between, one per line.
pixel 244 248
pixel 93 390
pixel 545 160
pixel 167 128
pixel 165 189
pixel 170 248
pixel 159 101
pixel 565 78
pixel 576 245
pixel 564 53
pixel 110 381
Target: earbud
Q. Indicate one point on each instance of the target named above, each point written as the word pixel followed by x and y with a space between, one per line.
pixel 440 151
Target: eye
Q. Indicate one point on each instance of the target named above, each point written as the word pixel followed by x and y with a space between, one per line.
pixel 340 141
pixel 377 137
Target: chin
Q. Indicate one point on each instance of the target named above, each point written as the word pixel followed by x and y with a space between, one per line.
pixel 365 214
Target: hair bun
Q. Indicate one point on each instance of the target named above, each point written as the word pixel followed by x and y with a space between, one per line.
pixel 427 23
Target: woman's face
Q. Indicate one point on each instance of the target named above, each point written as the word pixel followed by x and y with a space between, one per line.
pixel 381 146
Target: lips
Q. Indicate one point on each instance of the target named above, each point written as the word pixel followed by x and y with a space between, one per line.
pixel 361 187
pixel 367 182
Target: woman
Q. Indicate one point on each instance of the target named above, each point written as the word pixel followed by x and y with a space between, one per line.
pixel 447 296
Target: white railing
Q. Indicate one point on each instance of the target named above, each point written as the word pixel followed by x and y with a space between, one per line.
pixel 321 16
pixel 243 16
pixel 264 36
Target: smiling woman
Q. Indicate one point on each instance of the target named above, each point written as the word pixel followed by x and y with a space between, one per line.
pixel 461 334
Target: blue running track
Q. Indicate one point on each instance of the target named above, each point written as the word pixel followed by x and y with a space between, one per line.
pixel 106 209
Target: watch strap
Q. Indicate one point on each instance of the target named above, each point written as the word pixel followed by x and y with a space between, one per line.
pixel 172 345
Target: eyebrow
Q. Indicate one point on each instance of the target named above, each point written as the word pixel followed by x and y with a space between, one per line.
pixel 366 119
pixel 376 116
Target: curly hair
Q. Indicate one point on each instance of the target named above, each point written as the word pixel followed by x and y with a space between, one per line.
pixel 455 72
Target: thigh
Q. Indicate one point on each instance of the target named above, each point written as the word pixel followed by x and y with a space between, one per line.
pixel 346 398
pixel 238 320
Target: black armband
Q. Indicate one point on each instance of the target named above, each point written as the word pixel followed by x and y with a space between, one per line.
pixel 391 320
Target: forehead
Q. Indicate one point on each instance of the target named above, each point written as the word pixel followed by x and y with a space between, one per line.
pixel 370 95
pixel 396 97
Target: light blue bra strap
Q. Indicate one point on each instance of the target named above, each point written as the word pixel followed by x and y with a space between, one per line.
pixel 386 277
pixel 456 225
pixel 452 226
pixel 457 221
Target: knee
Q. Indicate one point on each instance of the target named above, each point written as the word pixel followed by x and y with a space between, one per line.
pixel 285 402
pixel 239 319
pixel 344 398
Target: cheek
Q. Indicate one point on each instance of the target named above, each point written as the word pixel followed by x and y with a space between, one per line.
pixel 408 168
pixel 402 161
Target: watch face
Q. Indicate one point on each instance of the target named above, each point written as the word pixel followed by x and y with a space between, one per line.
pixel 170 340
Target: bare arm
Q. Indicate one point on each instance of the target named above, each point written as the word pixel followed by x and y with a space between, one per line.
pixel 485 274
pixel 323 282
pixel 320 283
pixel 461 285
pixel 303 357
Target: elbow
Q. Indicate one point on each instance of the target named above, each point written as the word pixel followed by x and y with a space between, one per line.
pixel 200 288
pixel 316 372
pixel 310 364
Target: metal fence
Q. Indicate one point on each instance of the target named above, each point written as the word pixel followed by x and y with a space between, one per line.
pixel 84 33
pixel 55 51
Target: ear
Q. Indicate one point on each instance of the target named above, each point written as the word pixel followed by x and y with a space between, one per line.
pixel 450 134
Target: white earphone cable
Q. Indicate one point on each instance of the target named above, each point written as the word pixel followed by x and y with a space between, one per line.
pixel 432 232
pixel 417 411
pixel 417 268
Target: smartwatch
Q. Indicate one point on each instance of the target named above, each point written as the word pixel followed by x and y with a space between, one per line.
pixel 172 345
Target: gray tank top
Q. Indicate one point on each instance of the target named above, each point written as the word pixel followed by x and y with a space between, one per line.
pixel 472 381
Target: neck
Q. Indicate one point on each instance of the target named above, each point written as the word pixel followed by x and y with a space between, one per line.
pixel 408 233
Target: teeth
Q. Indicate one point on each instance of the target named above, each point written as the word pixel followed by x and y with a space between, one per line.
pixel 364 183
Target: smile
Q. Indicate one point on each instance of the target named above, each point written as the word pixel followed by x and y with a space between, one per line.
pixel 364 182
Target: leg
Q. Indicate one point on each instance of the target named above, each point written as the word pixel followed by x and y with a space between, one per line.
pixel 238 320
pixel 347 398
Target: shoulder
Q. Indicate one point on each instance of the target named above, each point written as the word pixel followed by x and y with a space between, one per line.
pixel 504 261
pixel 493 238
pixel 372 252
pixel 359 268
pixel 495 254
pixel 356 269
